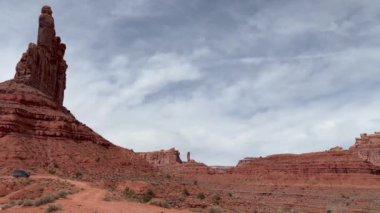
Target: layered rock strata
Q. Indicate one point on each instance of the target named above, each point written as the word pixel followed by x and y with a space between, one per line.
pixel 42 66
pixel 368 147
pixel 162 157
pixel 333 162
pixel 38 132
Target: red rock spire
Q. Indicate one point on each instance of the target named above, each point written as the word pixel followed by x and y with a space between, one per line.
pixel 42 66
pixel 46 31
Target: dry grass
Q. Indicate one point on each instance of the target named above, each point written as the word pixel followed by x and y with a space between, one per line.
pixel 50 198
pixel 53 208
pixel 160 203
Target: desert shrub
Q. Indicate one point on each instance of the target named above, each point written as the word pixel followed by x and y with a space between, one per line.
pixel 148 195
pixel 129 193
pixel 201 195
pixel 216 199
pixel 229 194
pixel 62 194
pixel 44 200
pixel 185 192
pixel 97 159
pixel 53 208
pixel 107 197
pixel 328 211
pixel 215 209
pixel 160 203
pixel 195 182
pixel 78 175
pixel 55 164
pixel 51 171
pixel 8 205
pixel 27 202
pixel 168 176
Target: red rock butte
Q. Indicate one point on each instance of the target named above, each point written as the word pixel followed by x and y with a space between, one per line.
pixel 39 134
pixel 36 129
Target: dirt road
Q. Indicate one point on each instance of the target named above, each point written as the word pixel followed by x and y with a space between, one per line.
pixel 90 200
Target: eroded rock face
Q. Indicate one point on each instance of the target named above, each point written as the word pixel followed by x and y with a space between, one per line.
pixel 368 147
pixel 42 66
pixel 330 162
pixel 38 133
pixel 162 157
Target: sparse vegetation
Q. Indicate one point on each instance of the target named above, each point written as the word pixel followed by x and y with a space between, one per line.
pixel 50 198
pixel 215 209
pixel 8 205
pixel 27 202
pixel 78 175
pixel 216 199
pixel 53 208
pixel 168 176
pixel 201 195
pixel 97 159
pixel 195 182
pixel 51 171
pixel 62 194
pixel 129 193
pixel 37 202
pixel 160 203
pixel 185 192
pixel 149 194
pixel 55 164
pixel 229 194
pixel 144 198
pixel 107 197
pixel 44 200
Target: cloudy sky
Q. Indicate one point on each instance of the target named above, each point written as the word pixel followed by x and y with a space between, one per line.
pixel 221 79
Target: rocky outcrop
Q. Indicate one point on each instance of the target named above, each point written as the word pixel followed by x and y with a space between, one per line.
pixel 31 103
pixel 27 111
pixel 169 161
pixel 38 132
pixel 368 147
pixel 336 149
pixel 332 162
pixel 162 157
pixel 42 66
pixel 362 158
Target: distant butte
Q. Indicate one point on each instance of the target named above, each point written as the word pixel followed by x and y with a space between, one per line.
pixel 38 134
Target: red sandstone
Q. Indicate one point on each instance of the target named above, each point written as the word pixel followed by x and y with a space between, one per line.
pixel 39 134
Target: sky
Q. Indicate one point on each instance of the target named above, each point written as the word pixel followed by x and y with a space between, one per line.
pixel 221 79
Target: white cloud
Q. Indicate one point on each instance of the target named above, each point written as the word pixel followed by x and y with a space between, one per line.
pixel 136 9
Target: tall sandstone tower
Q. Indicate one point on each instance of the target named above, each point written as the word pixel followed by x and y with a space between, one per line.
pixel 37 130
pixel 42 66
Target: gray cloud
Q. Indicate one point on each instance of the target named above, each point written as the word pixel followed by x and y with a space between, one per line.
pixel 222 79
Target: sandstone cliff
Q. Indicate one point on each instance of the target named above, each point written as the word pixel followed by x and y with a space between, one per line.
pixel 368 147
pixel 162 157
pixel 38 132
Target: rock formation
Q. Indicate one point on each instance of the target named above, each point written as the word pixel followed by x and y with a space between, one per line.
pixel 38 132
pixel 361 158
pixel 330 162
pixel 162 157
pixel 42 66
pixel 188 157
pixel 368 147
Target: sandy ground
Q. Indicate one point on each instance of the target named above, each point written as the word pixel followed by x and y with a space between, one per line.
pixel 90 199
